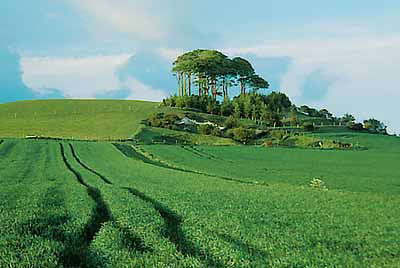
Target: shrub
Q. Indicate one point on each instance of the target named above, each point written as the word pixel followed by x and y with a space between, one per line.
pixel 241 134
pixel 208 130
pixel 231 122
pixel 308 126
pixel 155 120
pixel 355 126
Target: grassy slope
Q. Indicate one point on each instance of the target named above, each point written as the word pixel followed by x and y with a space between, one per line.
pixel 263 226
pixel 78 119
pixel 372 170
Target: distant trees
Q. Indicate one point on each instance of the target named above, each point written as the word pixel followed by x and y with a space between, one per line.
pixel 203 75
pixel 214 73
pixel 347 118
pixel 375 126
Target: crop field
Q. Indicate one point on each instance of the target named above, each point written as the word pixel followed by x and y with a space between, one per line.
pixel 74 119
pixel 102 204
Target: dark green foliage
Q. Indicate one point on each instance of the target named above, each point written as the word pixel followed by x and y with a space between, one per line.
pixel 213 73
pixel 347 118
pixel 308 126
pixel 163 120
pixel 355 126
pixel 375 126
pixel 231 122
pixel 208 129
pixel 241 134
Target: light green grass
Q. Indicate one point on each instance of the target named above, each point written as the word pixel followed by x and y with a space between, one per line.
pixel 186 219
pixel 74 119
pixel 372 170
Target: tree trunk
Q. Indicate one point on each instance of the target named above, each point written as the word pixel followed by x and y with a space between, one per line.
pixel 184 84
pixel 189 84
pixel 199 85
pixel 179 83
pixel 214 89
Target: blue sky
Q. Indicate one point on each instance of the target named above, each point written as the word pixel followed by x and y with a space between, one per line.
pixel 343 55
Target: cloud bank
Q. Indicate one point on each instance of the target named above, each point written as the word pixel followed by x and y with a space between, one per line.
pixel 89 77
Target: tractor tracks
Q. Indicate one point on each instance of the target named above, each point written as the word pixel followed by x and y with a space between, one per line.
pixel 131 152
pixel 103 178
pixel 100 214
pixel 172 229
pixel 174 233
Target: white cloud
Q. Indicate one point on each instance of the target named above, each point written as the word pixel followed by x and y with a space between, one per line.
pixel 142 91
pixel 366 68
pixel 74 77
pixel 85 77
pixel 145 19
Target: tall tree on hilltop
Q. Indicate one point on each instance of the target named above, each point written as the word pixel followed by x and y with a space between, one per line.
pixel 244 72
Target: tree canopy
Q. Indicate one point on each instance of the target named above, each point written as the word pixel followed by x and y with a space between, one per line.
pixel 214 73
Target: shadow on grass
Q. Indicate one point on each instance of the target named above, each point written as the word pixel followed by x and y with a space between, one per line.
pixel 174 233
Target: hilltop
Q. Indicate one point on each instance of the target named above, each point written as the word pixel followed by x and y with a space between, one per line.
pixel 74 119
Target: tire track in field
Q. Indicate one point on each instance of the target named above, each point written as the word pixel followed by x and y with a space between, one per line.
pixel 195 152
pixel 103 178
pixel 100 215
pixel 174 233
pixel 7 148
pixel 201 153
pixel 131 152
pixel 131 241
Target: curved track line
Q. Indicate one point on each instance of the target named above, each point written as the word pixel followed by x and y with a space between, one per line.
pixel 174 233
pixel 103 178
pixel 100 214
pixel 139 156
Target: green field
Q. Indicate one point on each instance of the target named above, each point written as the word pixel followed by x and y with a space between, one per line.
pixel 71 203
pixel 85 204
pixel 74 119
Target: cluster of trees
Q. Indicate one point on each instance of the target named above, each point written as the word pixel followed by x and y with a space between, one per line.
pixel 371 125
pixel 232 128
pixel 213 73
pixel 254 106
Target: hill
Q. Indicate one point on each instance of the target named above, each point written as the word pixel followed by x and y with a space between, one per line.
pixel 75 119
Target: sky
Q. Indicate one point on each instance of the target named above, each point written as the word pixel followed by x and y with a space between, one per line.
pixel 341 55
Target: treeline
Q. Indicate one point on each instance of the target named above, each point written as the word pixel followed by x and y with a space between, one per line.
pixel 273 110
pixel 213 73
pixel 254 106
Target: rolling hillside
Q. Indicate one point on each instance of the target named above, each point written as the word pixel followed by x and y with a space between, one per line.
pixel 74 119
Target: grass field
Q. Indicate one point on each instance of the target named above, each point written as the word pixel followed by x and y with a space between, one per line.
pixel 86 204
pixel 74 119
pixel 71 203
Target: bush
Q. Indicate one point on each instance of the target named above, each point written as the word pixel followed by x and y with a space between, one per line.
pixel 163 120
pixel 241 134
pixel 308 126
pixel 155 120
pixel 278 134
pixel 208 130
pixel 231 122
pixel 355 126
